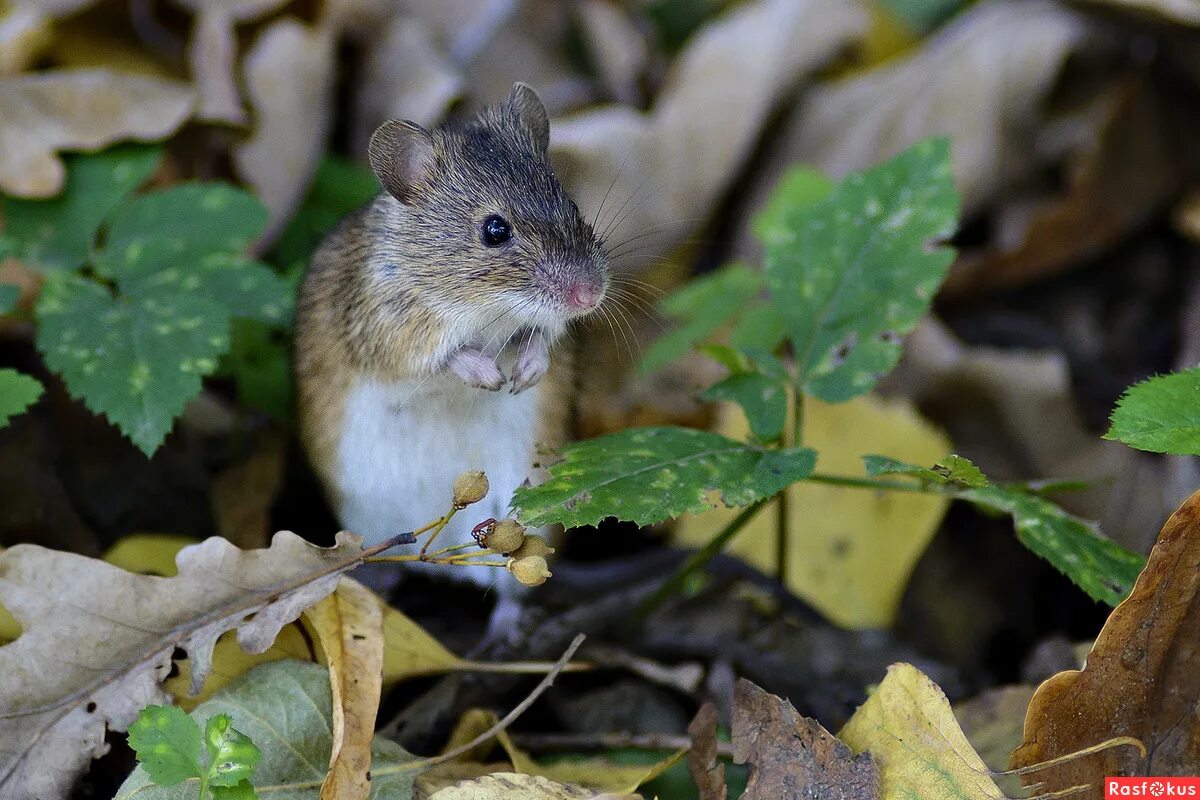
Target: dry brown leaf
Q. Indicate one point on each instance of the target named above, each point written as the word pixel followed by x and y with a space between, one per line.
pixel 979 81
pixel 617 46
pixel 707 771
pixel 404 75
pixel 1140 679
pixel 793 756
pixel 349 627
pixel 44 112
pixel 25 28
pixel 97 641
pixel 665 169
pixel 511 786
pixel 289 77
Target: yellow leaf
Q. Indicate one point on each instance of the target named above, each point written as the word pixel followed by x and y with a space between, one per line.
pixel 595 773
pixel 409 651
pixel 349 628
pixel 909 729
pixel 852 551
pixel 148 553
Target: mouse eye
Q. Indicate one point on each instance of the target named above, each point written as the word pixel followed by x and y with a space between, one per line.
pixel 496 231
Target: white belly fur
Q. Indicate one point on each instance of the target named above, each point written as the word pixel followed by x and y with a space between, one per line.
pixel 402 445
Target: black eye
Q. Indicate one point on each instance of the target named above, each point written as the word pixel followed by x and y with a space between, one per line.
pixel 496 231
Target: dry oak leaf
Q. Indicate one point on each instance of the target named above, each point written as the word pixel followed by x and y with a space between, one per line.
pixel 349 627
pixel 707 771
pixel 97 641
pixel 793 756
pixel 1140 679
pixel 44 112
pixel 511 786
pixel 908 727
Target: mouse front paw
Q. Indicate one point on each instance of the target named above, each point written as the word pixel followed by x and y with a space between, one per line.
pixel 533 360
pixel 476 370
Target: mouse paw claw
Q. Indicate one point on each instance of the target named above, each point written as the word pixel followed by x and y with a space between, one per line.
pixel 533 360
pixel 476 370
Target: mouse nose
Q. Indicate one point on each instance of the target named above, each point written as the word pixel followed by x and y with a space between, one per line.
pixel 583 296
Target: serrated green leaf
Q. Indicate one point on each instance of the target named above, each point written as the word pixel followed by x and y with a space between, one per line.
pixel 1161 415
pixel 195 218
pixel 157 266
pixel 18 392
pixel 338 188
pixel 242 791
pixel 58 234
pixel 259 362
pixel 800 188
pixel 1099 566
pixel 702 306
pixel 135 360
pixel 764 399
pixel 167 743
pixel 647 475
pixel 9 295
pixel 232 756
pixel 857 271
pixel 953 470
pixel 285 707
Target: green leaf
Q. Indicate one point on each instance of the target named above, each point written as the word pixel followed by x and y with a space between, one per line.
pixel 763 398
pixel 18 392
pixel 953 470
pixel 167 743
pixel 703 306
pixel 232 756
pixel 285 707
pixel 1099 566
pixel 242 791
pixel 10 293
pixel 1161 414
pixel 800 188
pixel 647 475
pixel 198 218
pixel 58 234
pixel 338 188
pixel 137 360
pixel 259 361
pixel 858 270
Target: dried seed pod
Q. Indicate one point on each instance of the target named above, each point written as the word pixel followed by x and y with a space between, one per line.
pixel 469 487
pixel 533 546
pixel 531 570
pixel 505 536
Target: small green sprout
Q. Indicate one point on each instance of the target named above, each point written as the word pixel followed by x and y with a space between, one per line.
pixel 167 743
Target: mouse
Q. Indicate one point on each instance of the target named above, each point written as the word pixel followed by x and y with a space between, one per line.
pixel 427 323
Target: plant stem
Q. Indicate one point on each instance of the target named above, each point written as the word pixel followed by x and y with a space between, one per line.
pixel 438 527
pixel 784 519
pixel 697 560
pixel 877 484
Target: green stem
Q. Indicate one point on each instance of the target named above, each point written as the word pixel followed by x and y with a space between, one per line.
pixel 877 484
pixel 783 535
pixel 699 559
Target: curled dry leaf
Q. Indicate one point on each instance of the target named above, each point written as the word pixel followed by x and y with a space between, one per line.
pixel 707 772
pixel 1140 679
pixel 289 77
pixel 908 727
pixel 793 756
pixel 666 168
pixel 990 67
pixel 511 786
pixel 42 113
pixel 97 641
pixel 349 626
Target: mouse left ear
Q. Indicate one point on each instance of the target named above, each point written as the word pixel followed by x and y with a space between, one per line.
pixel 527 107
pixel 402 156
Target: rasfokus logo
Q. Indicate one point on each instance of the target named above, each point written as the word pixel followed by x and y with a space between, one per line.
pixel 1151 787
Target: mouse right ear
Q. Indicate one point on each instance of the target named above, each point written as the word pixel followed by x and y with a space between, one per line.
pixel 401 154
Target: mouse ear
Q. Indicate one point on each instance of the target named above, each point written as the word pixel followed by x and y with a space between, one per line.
pixel 527 107
pixel 401 154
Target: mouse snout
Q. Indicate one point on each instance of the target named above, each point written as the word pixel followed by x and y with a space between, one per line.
pixel 584 295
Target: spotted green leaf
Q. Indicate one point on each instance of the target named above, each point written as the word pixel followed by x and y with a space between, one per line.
pixel 702 307
pixel 59 233
pixel 853 273
pixel 647 475
pixel 953 470
pixel 763 398
pixel 135 359
pixel 800 188
pixel 232 756
pixel 259 363
pixel 9 294
pixel 199 218
pixel 167 743
pixel 18 392
pixel 1161 414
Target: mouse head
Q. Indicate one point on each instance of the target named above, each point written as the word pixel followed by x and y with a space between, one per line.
pixel 492 228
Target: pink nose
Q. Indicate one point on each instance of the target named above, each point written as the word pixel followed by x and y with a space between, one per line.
pixel 583 295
